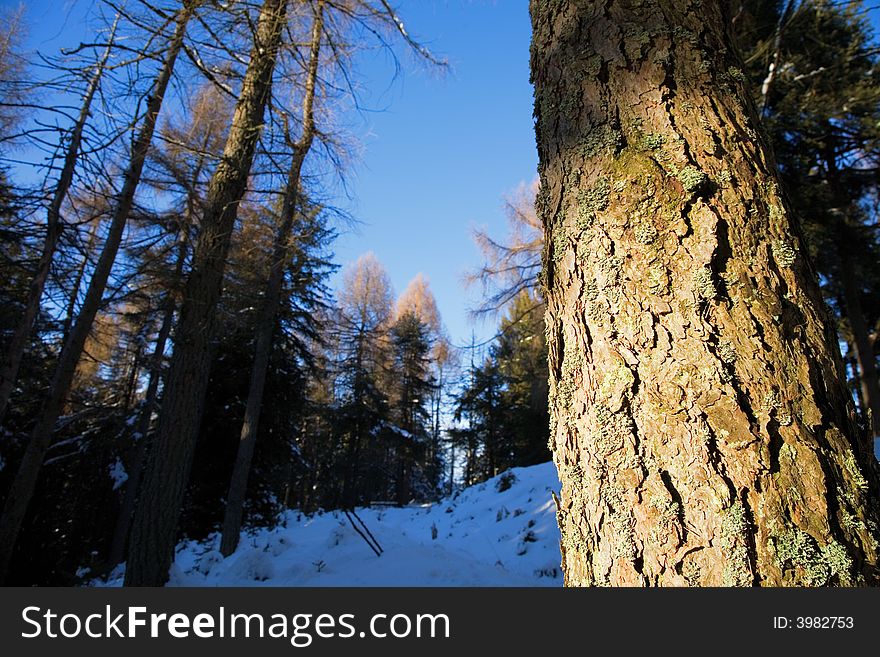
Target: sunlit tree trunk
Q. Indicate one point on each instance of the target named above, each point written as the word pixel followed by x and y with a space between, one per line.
pixel 700 421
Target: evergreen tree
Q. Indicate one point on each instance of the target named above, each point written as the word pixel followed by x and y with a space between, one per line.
pixel 364 315
pixel 408 407
pixel 487 449
pixel 521 354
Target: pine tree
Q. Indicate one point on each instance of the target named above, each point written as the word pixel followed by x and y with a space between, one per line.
pixel 486 447
pixel 521 354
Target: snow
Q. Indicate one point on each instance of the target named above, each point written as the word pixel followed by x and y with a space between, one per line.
pixel 118 474
pixel 484 537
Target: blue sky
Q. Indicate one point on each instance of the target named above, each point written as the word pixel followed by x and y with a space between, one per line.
pixel 437 155
pixel 439 159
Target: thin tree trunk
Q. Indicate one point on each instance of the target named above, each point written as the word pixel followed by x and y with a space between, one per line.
pixel 132 484
pixel 158 510
pixel 233 515
pixel 122 528
pixel 54 225
pixel 773 68
pixel 131 384
pixel 864 352
pixel 26 479
pixel 701 424
pixel 70 311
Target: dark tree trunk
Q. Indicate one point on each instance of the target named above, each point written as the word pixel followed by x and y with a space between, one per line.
pixel 132 485
pixel 233 514
pixel 18 342
pixel 70 311
pixel 701 425
pixel 869 386
pixel 22 489
pixel 168 466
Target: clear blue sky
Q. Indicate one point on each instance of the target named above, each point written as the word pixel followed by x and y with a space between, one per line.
pixel 439 156
pixel 439 160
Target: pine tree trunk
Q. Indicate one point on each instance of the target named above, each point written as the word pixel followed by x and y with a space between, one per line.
pixel 18 342
pixel 699 418
pixel 168 466
pixel 22 489
pixel 233 514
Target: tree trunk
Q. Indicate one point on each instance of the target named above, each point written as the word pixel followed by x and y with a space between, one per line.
pixel 700 421
pixel 869 386
pixel 22 489
pixel 70 311
pixel 168 465
pixel 18 343
pixel 232 517
pixel 132 485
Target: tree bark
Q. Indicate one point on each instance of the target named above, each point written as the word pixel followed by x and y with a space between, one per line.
pixel 168 466
pixel 233 514
pixel 22 489
pixel 18 342
pixel 700 420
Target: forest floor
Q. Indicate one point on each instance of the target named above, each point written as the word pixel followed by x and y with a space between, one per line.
pixel 502 532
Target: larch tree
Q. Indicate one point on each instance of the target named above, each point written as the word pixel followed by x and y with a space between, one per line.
pixel 190 151
pixel 154 527
pixel 512 264
pixel 12 74
pixel 699 420
pixel 418 300
pixel 14 350
pixel 365 314
pixel 22 490
pixel 291 207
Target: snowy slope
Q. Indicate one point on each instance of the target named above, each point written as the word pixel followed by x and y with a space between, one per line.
pixel 484 537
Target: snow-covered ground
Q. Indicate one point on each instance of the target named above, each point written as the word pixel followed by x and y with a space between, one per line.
pixel 485 536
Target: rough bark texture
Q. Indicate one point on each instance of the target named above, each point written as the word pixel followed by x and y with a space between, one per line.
pixel 154 529
pixel 700 423
pixel 18 342
pixel 234 511
pixel 22 489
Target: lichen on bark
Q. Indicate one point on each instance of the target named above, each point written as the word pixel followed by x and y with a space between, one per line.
pixel 699 421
